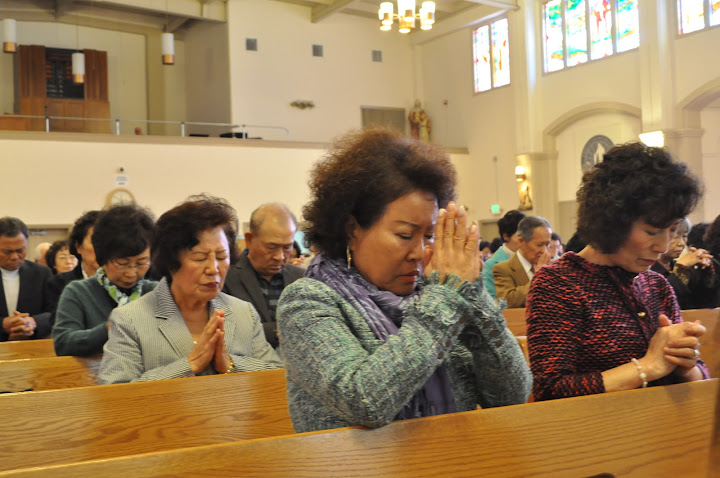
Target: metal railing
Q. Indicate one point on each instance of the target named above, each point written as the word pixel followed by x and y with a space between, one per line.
pixel 182 124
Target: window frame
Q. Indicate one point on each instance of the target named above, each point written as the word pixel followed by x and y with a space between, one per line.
pixel 488 24
pixel 588 35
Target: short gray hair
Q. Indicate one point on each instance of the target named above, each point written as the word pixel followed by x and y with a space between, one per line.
pixel 528 225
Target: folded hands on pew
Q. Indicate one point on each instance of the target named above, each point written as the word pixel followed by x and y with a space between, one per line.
pixel 210 345
pixel 19 325
pixel 673 350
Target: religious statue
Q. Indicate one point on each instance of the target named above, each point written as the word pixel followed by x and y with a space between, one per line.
pixel 419 123
pixel 525 199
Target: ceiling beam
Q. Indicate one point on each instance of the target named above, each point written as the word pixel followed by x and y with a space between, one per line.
pixel 322 11
pixel 509 4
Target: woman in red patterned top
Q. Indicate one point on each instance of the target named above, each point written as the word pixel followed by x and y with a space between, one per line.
pixel 600 321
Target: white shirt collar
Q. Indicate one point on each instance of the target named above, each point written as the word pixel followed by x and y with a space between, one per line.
pixel 6 274
pixel 526 265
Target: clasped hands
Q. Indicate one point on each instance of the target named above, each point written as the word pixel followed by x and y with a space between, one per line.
pixel 673 348
pixel 455 249
pixel 210 346
pixel 19 326
pixel 699 257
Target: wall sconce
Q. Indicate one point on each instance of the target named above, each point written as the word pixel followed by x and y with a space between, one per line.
pixel 302 104
pixel 520 173
pixel 653 139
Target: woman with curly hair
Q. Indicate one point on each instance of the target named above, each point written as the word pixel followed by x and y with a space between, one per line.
pixel 391 320
pixel 600 321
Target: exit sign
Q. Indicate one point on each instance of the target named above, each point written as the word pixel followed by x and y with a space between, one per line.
pixel 495 208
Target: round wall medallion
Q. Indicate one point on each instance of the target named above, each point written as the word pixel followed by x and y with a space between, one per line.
pixel 594 150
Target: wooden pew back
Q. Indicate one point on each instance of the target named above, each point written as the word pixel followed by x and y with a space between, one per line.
pixel 67 426
pixel 49 373
pixel 622 434
pixel 515 320
pixel 23 349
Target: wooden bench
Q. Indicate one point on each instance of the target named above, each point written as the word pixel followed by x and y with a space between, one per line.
pixel 104 421
pixel 660 431
pixel 515 320
pixel 21 349
pixel 49 373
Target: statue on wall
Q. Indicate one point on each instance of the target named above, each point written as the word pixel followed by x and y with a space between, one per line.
pixel 526 203
pixel 419 123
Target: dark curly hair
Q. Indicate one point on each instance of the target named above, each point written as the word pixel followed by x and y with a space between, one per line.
pixel 364 172
pixel 633 183
pixel 712 238
pixel 80 229
pixel 179 229
pixel 122 231
pixel 52 251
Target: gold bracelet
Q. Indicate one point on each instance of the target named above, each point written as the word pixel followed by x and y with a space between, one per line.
pixel 231 366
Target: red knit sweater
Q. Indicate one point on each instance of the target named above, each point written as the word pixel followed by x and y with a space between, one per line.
pixel 584 318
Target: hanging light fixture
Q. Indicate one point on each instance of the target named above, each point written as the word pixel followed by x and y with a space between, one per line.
pixel 168 40
pixel 9 35
pixel 406 15
pixel 168 49
pixel 78 59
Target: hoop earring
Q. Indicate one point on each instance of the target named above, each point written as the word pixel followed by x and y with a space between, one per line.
pixel 349 256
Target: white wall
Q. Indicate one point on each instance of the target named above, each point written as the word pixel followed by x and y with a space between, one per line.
pixel 126 63
pixel 695 64
pixel 710 118
pixel 162 172
pixel 265 82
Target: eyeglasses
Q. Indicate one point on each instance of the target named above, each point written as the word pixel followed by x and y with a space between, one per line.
pixel 126 266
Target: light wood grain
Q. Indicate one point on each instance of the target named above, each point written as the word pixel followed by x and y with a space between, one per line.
pixel 655 432
pixel 515 320
pixel 48 373
pixel 21 349
pixel 104 421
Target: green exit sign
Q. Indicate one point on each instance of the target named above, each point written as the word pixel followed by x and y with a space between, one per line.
pixel 495 208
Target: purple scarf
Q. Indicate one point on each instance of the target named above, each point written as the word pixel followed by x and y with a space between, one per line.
pixel 383 312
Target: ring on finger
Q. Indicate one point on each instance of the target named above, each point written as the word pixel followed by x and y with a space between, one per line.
pixel 697 354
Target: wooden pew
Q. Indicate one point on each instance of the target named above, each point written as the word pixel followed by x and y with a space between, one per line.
pixel 22 349
pixel 623 434
pixel 515 320
pixel 49 373
pixel 104 421
pixel 710 342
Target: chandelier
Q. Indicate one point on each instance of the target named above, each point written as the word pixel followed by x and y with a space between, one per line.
pixel 406 15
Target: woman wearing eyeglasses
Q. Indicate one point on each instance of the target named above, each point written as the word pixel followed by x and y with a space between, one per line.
pixel 121 239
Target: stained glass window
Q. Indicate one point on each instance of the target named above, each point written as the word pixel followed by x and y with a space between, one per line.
pixel 501 53
pixel 600 29
pixel 576 31
pixel 628 25
pixel 715 13
pixel 554 49
pixel 481 52
pixel 691 15
pixel 491 55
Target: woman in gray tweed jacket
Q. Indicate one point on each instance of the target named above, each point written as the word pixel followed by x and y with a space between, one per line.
pixel 385 327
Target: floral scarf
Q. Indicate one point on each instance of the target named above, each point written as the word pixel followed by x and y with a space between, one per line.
pixel 115 292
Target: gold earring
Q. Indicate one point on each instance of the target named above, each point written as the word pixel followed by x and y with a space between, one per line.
pixel 349 256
